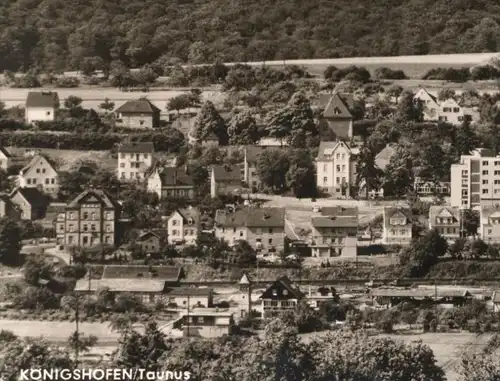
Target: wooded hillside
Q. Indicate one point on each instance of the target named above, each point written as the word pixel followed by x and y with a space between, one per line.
pixel 64 34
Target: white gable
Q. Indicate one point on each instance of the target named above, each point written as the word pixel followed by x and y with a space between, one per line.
pixel 450 102
pixel 445 213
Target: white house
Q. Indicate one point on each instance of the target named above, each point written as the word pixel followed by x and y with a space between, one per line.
pixel 183 226
pixel 41 174
pixel 451 112
pixel 429 102
pixel 134 160
pixel 5 159
pixel 41 106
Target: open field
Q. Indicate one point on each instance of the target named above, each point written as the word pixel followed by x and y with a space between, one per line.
pixel 447 347
pixel 93 96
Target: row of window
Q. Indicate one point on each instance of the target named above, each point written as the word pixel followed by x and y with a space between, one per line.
pixel 444 220
pixel 186 232
pixel 257 231
pixel 132 175
pixel 136 156
pixel 132 165
pixel 89 240
pixel 449 109
pixel 177 222
pixel 339 168
pixel 338 180
pixel 85 215
pixel 47 181
pixel 85 228
pixel 400 232
pixel 42 170
pixel 448 230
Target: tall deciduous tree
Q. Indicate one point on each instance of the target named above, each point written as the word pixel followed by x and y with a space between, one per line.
pixel 465 139
pixel 300 177
pixel 10 241
pixel 398 179
pixel 409 109
pixel 294 123
pixel 367 171
pixel 210 122
pixel 242 127
pixel 272 167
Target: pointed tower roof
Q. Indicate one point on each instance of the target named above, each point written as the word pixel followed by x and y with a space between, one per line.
pixel 245 279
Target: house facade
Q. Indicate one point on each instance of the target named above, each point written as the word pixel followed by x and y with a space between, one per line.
pixel 134 160
pixel 171 182
pixel 31 203
pixel 225 180
pixel 40 174
pixel 447 221
pixel 250 176
pixel 430 188
pixel 89 220
pixel 9 209
pixel 336 168
pixel 140 114
pixel 149 242
pixel 475 180
pixel 451 112
pixel 205 322
pixel 41 106
pixel 397 226
pixel 335 233
pixel 489 224
pixel 262 228
pixel 183 226
pixel 282 296
pixel 189 297
pixel 429 103
pixel 338 116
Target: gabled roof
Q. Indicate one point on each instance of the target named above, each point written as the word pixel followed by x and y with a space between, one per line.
pixel 337 108
pixel 189 213
pixel 227 173
pixel 42 99
pixel 94 195
pixel 390 212
pixel 422 89
pixel 340 211
pixel 327 149
pixel 171 176
pixel 140 106
pixel 164 273
pixel 251 218
pixel 496 297
pixel 488 211
pixel 443 211
pixel 32 195
pixel 137 147
pixel 283 283
pixel 5 152
pixel 35 160
pixel 146 235
pixel 332 221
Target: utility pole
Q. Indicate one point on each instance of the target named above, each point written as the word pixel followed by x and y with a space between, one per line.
pixel 188 322
pixel 77 331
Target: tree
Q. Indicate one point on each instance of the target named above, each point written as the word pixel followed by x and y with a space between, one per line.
pixel 107 105
pixel 244 253
pixel 37 268
pixel 395 91
pixel 178 103
pixel 300 177
pixel 479 367
pixel 78 343
pixel 209 122
pixel 398 177
pixel 446 93
pixel 409 109
pixel 470 222
pixel 272 166
pixel 242 128
pixel 10 241
pixel 72 102
pixel 294 122
pixel 367 171
pixel 465 140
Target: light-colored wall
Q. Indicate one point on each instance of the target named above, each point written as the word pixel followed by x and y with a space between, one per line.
pixel 26 212
pixel 176 225
pixel 397 234
pixel 74 227
pixel 232 234
pixel 331 173
pixel 127 165
pixel 182 301
pixel 35 114
pixel 5 162
pixel 40 175
pixel 328 241
pixel 143 121
pixel 275 234
pixel 154 184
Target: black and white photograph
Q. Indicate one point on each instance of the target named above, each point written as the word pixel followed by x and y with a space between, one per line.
pixel 228 190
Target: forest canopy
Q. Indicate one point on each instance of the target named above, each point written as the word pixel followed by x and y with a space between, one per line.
pixel 57 35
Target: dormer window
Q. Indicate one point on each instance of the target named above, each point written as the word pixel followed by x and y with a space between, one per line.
pixel 190 221
pixel 275 292
pixel 336 111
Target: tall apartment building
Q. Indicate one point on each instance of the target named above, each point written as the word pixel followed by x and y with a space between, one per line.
pixel 89 220
pixel 336 168
pixel 475 180
pixel 134 160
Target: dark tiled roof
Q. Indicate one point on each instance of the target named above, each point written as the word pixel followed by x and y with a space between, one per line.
pixel 137 147
pixel 390 211
pixel 286 283
pixel 326 149
pixel 147 235
pixel 165 273
pixel 384 157
pixel 32 195
pixel 251 217
pixel 327 222
pixel 227 173
pixel 337 108
pixel 189 291
pixel 99 194
pixel 439 211
pixel 42 99
pixel 122 285
pixel 140 106
pixel 188 213
pixel 171 176
pixel 35 160
pixel 339 211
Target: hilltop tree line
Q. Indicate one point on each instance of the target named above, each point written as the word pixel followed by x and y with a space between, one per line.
pixel 56 35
